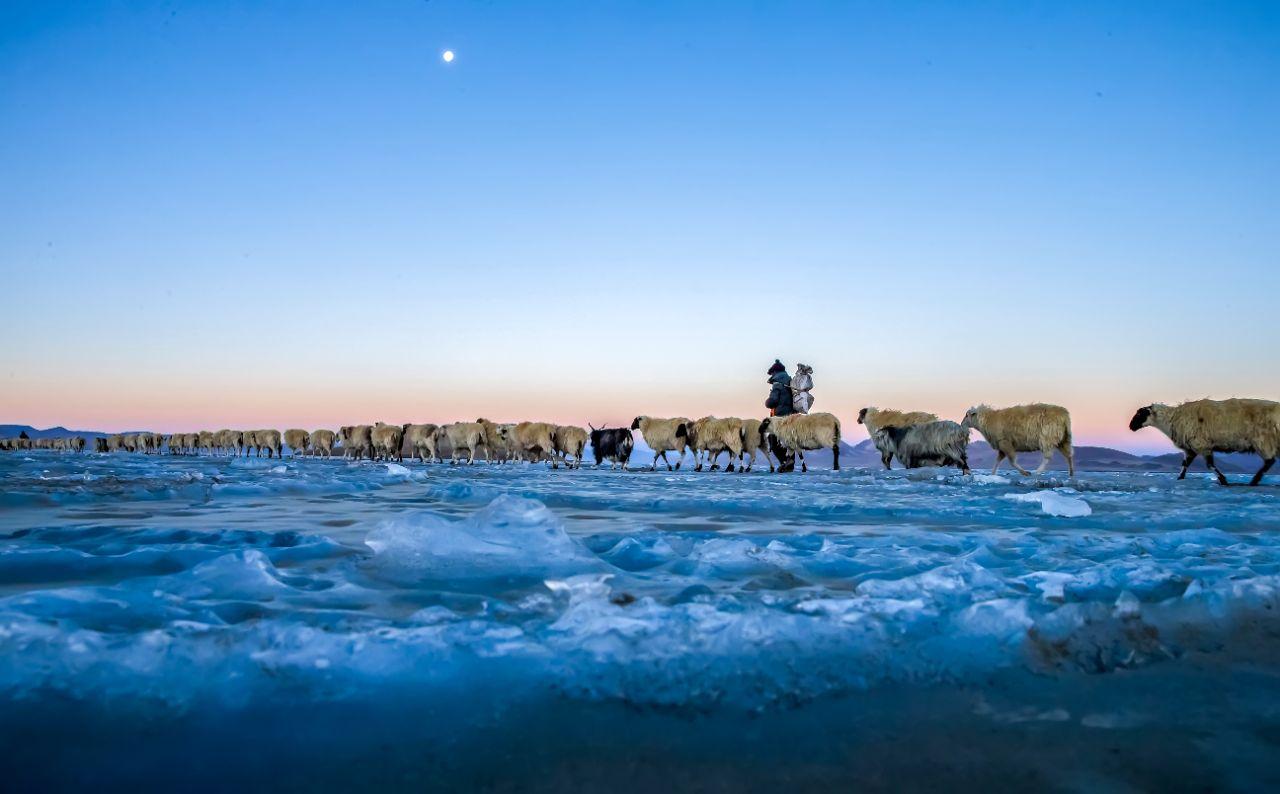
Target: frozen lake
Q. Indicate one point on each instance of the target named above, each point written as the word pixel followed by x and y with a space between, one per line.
pixel 319 624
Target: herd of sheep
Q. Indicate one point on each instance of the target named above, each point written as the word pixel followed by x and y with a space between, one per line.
pixel 1198 428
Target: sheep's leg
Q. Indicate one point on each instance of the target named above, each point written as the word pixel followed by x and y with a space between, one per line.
pixel 887 459
pixel 1222 478
pixel 1013 460
pixel 803 466
pixel 835 456
pixel 664 460
pixel 1044 464
pixel 999 460
pixel 712 458
pixel 1266 466
pixel 1069 454
pixel 964 463
pixel 1186 464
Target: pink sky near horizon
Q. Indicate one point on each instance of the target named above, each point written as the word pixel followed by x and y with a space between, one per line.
pixel 183 409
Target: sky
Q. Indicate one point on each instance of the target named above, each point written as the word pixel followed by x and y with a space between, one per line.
pixel 297 214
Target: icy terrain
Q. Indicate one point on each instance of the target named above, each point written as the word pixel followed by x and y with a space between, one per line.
pixel 324 624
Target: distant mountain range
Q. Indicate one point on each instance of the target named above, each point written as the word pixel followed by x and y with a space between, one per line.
pixel 981 455
pixel 13 431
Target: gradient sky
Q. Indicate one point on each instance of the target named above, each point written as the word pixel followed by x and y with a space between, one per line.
pixel 245 213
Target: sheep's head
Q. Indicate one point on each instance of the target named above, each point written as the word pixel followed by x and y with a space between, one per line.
pixel 1142 418
pixel 862 415
pixel 635 424
pixel 973 417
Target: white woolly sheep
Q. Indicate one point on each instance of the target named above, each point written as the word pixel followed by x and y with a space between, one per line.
pixel 1203 427
pixel 297 440
pixel 799 432
pixel 1038 427
pixel 421 441
pixel 663 436
pixel 268 440
pixel 752 444
pixel 713 436
pixel 942 443
pixel 469 437
pixel 570 441
pixel 322 441
pixel 533 440
pixel 877 418
pixel 388 441
pixel 356 441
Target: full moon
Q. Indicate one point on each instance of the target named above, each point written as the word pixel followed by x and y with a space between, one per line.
pixel 448 56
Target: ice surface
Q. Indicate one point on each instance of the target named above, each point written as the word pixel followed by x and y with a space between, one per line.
pixel 196 583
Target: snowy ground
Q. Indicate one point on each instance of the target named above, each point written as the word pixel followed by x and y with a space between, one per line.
pixel 323 624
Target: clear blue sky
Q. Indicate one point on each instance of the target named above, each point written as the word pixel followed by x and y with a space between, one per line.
pixel 220 213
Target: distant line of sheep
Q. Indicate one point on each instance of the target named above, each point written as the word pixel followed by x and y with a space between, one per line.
pixel 915 438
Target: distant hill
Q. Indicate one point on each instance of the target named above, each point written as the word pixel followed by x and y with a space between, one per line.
pixel 13 431
pixel 981 456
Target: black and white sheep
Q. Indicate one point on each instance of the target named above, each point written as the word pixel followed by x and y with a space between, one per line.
pixel 941 443
pixel 1203 427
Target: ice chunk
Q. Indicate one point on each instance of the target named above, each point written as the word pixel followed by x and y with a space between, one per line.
pixel 512 536
pixel 1054 504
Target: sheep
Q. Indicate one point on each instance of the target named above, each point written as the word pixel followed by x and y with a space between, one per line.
pixel 322 441
pixel 250 443
pixel 570 441
pixel 297 440
pixel 713 436
pixel 506 448
pixel 799 432
pixel 388 441
pixel 663 436
pixel 877 418
pixel 613 444
pixel 1024 428
pixel 470 436
pixel 1203 427
pixel 752 443
pixel 191 442
pixel 130 442
pixel 356 440
pixel 115 442
pixel 942 443
pixel 270 441
pixel 157 442
pixel 100 445
pixel 421 440
pixel 535 439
